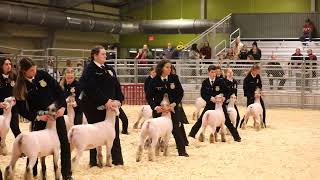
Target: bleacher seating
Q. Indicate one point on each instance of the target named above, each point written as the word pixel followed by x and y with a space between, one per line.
pixel 284 49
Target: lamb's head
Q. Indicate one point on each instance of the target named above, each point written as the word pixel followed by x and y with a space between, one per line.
pixel 71 100
pixel 165 103
pixel 257 93
pixel 116 105
pixel 219 99
pixel 52 110
pixel 9 102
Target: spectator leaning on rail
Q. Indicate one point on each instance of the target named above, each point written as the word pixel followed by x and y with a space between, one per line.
pixel 308 29
pixel 205 51
pixel 297 56
pixel 255 51
pixel 274 70
pixel 230 54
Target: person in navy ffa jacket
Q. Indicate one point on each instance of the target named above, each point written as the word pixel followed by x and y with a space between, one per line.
pixel 71 86
pixel 251 82
pixel 100 86
pixel 7 82
pixel 152 74
pixel 162 83
pixel 211 87
pixel 232 86
pixel 34 91
pixel 181 115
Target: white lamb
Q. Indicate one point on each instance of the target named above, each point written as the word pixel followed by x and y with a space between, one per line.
pixel 5 120
pixel 199 104
pixel 145 112
pixel 69 118
pixel 255 110
pixel 89 136
pixel 232 112
pixel 37 144
pixel 214 118
pixel 156 132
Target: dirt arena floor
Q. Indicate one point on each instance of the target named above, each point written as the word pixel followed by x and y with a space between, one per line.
pixel 289 149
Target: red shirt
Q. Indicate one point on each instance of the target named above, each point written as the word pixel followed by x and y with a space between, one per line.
pixel 308 27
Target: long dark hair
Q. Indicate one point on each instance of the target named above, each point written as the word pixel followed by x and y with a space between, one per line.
pixel 12 76
pixel 20 89
pixel 160 66
pixel 194 48
pixel 95 51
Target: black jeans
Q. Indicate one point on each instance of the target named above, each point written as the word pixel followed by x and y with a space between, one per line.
pixel 195 128
pixel 124 119
pixel 176 131
pixel 65 154
pixel 306 35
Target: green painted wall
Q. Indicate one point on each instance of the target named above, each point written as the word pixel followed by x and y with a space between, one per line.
pixel 190 9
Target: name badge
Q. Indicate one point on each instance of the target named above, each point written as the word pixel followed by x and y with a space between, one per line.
pixel 217 88
pixel 73 90
pixel 110 72
pixel 172 86
pixel 159 88
pixel 43 83
pixel 12 83
pixel 257 80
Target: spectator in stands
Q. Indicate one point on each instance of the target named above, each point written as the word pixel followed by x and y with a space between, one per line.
pixel 255 52
pixel 274 70
pixel 142 57
pixel 78 70
pixel 312 57
pixel 237 47
pixel 205 51
pixel 53 71
pixel 243 53
pixel 258 51
pixel 308 29
pixel 194 52
pixel 169 52
pixel 230 54
pixel 296 56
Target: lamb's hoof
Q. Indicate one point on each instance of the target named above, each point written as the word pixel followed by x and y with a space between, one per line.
pixel 4 151
pixel 7 174
pixel 211 138
pixel 223 138
pixel 135 126
pixel 201 137
pixel 100 165
pixel 243 127
pixel 151 159
pixel 109 164
pixel 216 137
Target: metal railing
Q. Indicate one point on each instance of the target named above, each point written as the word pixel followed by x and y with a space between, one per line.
pixel 231 39
pixel 290 83
pixel 221 47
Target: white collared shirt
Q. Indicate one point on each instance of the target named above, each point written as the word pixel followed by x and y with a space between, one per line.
pixel 5 76
pixel 211 80
pixel 163 78
pixel 253 75
pixel 98 64
pixel 30 79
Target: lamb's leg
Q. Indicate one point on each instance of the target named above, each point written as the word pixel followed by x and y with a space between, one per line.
pixel 140 149
pixel 75 160
pixel 152 149
pixel 108 154
pixel 212 138
pixel 136 124
pixel 256 123
pixel 55 165
pixel 223 133
pixel 28 172
pixel 245 120
pixel 166 145
pixel 9 171
pixel 99 154
pixel 261 121
pixel 158 146
pixel 43 168
pixel 201 136
pixel 3 147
